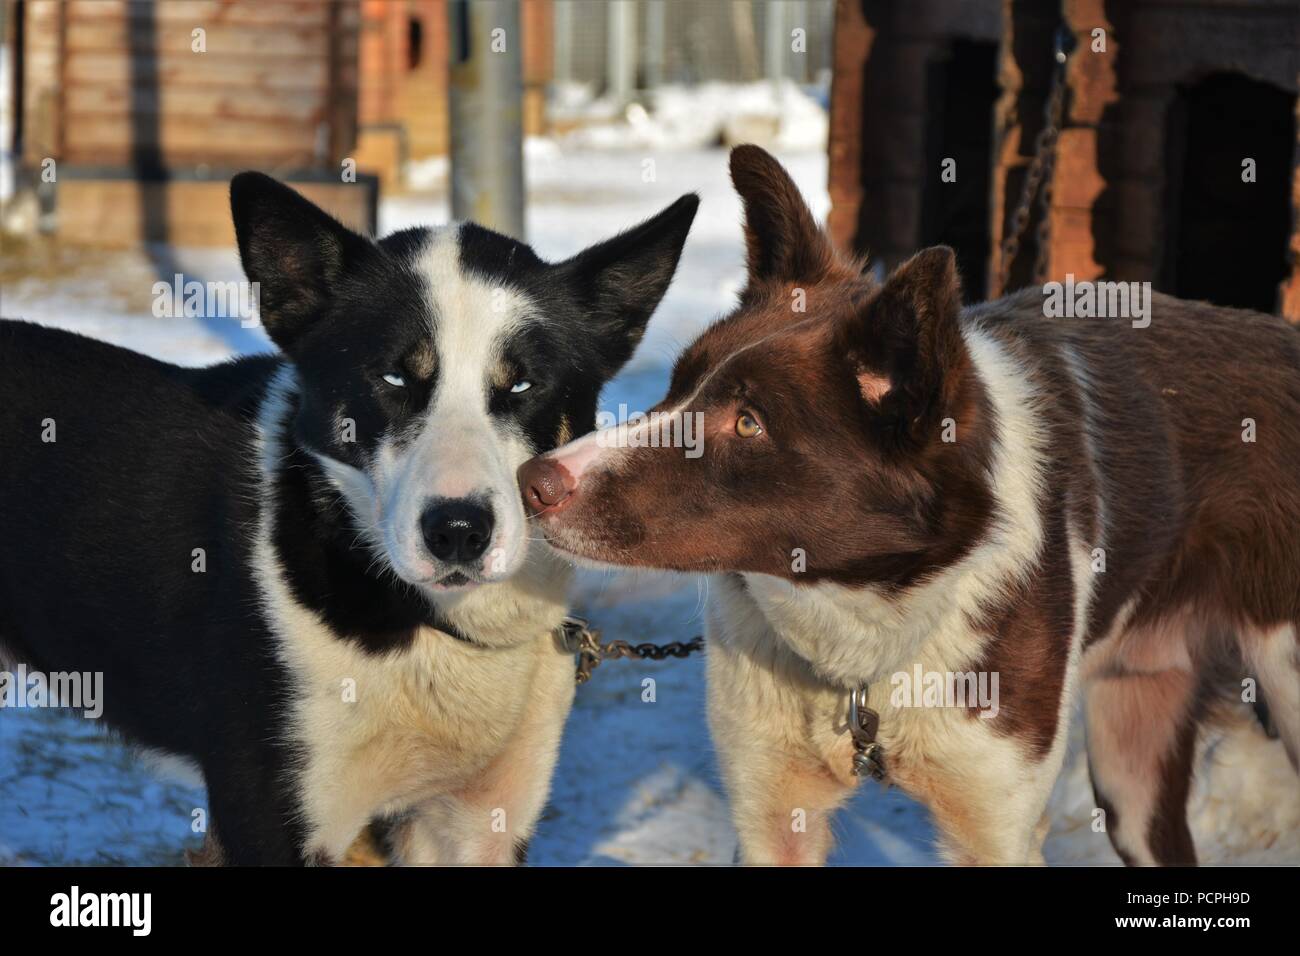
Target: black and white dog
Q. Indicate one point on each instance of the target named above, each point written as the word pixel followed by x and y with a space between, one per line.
pixel 310 573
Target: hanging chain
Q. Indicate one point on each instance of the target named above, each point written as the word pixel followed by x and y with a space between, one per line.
pixel 1039 173
pixel 580 639
pixel 583 641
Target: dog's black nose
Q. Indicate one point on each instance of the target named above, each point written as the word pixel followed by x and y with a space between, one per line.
pixel 456 531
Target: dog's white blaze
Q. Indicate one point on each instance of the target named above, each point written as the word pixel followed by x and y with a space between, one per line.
pixel 606 446
pixel 459 448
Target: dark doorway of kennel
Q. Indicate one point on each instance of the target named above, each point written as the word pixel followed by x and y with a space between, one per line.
pixel 414 43
pixel 1227 236
pixel 961 89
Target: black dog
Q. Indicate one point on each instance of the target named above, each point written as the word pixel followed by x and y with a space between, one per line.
pixel 309 573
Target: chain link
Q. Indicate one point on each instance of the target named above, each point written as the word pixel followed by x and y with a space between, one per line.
pixel 578 638
pixel 651 652
pixel 585 642
pixel 1039 174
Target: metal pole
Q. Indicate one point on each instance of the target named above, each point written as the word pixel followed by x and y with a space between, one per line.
pixel 804 14
pixel 655 47
pixel 486 109
pixel 776 43
pixel 563 16
pixel 620 59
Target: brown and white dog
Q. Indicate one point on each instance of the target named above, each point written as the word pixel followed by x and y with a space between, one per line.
pixel 889 480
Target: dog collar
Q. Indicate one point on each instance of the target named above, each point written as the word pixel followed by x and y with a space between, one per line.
pixel 868 755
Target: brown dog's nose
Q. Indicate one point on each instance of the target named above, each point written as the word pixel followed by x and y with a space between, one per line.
pixel 545 483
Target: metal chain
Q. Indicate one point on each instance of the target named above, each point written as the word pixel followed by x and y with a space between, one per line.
pixel 585 642
pixel 580 639
pixel 1039 173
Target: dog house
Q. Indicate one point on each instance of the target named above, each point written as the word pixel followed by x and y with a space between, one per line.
pixel 914 84
pixel 135 114
pixel 402 88
pixel 1176 162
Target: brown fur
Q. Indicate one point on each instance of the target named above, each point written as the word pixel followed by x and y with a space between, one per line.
pixel 1144 458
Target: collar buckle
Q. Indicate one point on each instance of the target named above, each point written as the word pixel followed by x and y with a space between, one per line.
pixel 579 639
pixel 868 755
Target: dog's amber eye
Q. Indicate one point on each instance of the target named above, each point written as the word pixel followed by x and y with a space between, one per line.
pixel 747 426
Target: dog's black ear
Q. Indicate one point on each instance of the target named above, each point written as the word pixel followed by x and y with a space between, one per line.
pixel 618 283
pixel 783 242
pixel 293 250
pixel 904 343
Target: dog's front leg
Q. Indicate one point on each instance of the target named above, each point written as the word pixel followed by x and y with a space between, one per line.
pixel 456 829
pixel 786 767
pixel 490 820
pixel 985 780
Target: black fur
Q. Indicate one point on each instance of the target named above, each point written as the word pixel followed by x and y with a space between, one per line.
pixel 152 461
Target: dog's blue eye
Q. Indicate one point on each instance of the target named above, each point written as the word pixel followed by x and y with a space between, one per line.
pixel 520 387
pixel 395 380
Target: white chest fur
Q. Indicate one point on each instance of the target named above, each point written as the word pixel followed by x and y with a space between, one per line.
pixel 382 733
pixel 853 638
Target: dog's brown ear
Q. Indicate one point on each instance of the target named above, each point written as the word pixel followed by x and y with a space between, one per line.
pixel 782 240
pixel 904 342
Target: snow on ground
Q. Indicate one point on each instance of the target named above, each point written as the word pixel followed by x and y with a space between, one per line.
pixel 782 116
pixel 637 782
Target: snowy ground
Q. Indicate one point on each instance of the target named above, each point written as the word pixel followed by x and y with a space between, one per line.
pixel 637 782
